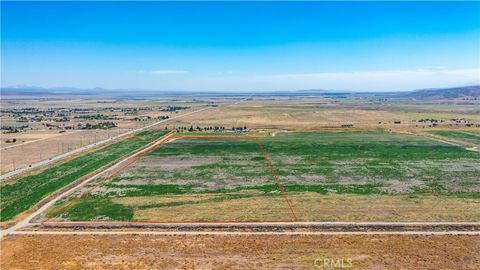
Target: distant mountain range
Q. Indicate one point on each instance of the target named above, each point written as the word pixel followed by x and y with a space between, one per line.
pixel 446 93
pixel 454 93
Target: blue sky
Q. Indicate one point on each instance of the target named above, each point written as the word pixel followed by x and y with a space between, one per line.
pixel 241 46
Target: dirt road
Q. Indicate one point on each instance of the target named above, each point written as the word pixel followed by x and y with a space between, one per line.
pixel 466 145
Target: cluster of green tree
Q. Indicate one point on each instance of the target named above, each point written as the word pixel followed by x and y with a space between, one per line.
pixel 22 119
pixel 142 118
pixel 101 125
pixel 429 120
pixel 197 128
pixel 36 118
pixel 63 119
pixel 211 128
pixel 92 117
pixel 239 129
pixel 173 108
pixel 9 129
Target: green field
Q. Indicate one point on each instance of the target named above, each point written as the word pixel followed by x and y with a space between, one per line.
pixel 213 170
pixel 188 178
pixel 393 162
pixel 25 192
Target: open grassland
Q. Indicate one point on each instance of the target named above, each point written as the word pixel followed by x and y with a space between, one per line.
pixel 25 138
pixel 328 176
pixel 378 162
pixel 239 251
pixel 23 193
pixel 311 206
pixel 257 206
pixel 314 113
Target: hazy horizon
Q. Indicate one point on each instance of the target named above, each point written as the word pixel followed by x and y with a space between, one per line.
pixel 167 91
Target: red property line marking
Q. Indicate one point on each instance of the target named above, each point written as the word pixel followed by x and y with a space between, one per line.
pixel 266 159
pixel 153 147
pixel 276 179
pixel 167 138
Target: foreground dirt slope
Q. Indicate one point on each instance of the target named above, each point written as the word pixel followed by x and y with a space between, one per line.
pixel 242 251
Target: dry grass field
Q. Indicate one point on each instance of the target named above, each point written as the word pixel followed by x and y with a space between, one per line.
pixel 311 206
pixel 239 252
pixel 42 145
pixel 318 113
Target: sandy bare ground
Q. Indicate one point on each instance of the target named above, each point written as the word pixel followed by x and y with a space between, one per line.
pixel 239 251
pixel 33 151
pixel 27 138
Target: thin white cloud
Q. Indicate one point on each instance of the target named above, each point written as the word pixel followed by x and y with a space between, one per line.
pixel 374 80
pixel 416 77
pixel 168 72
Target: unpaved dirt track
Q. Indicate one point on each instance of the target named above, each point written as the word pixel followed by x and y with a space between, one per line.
pixel 238 251
pixel 245 233
pixel 37 140
pixel 273 227
pixel 466 145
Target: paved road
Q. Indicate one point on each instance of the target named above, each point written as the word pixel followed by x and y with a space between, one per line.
pixel 84 148
pixel 26 221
